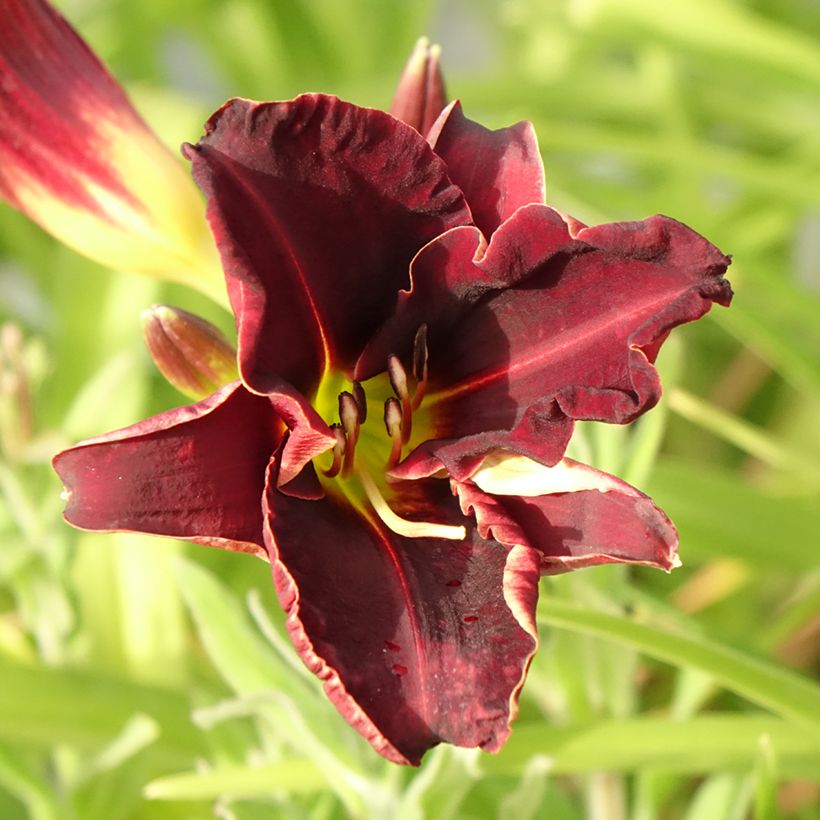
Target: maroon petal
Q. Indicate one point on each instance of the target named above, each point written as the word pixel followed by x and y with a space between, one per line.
pixel 499 171
pixel 196 473
pixel 317 206
pixel 418 640
pixel 586 518
pixel 564 323
pixel 420 95
pixel 308 437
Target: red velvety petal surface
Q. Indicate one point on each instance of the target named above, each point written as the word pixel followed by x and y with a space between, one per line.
pixel 550 322
pixel 196 473
pixel 418 641
pixel 578 529
pixel 317 207
pixel 499 171
pixel 52 86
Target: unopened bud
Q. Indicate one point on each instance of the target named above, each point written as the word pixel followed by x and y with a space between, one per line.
pixel 420 95
pixel 192 354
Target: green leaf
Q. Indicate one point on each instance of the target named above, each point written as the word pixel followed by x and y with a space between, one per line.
pixel 743 435
pixel 267 686
pixel 42 707
pixel 243 659
pixel 438 791
pixel 762 682
pixel 700 745
pixel 19 778
pixel 778 320
pixel 723 797
pixel 719 515
pixel 294 776
pixel 766 777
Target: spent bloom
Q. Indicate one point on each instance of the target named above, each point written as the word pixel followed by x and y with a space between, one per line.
pixel 417 334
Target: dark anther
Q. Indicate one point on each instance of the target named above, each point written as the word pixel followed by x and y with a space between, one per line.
pixel 420 365
pixel 392 422
pixel 338 451
pixel 398 380
pixel 349 415
pixel 361 401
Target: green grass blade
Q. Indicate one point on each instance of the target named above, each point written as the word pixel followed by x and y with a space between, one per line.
pixel 295 776
pixel 701 745
pixel 43 707
pixel 762 682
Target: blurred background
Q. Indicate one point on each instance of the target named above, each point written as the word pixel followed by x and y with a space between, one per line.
pixel 142 678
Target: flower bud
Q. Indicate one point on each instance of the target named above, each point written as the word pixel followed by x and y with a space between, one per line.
pixel 192 354
pixel 420 95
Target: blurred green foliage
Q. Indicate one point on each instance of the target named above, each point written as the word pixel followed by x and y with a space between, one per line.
pixel 148 679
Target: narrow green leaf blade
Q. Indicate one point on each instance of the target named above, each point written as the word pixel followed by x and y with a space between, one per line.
pixel 762 682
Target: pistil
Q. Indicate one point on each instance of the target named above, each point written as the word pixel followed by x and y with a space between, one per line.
pixel 354 481
pixel 402 526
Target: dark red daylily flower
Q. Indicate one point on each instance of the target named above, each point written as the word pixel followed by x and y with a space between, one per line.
pixel 417 334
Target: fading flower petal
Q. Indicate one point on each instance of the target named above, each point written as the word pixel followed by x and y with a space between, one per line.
pixel 195 473
pixel 574 515
pixel 499 171
pixel 76 157
pixel 317 206
pixel 418 640
pixel 420 95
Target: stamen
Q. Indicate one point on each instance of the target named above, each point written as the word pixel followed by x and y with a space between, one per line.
pixel 338 451
pixel 392 422
pixel 361 401
pixel 420 365
pixel 349 415
pixel 398 380
pixel 401 526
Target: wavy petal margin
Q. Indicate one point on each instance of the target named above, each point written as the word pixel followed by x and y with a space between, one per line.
pixel 418 640
pixel 574 515
pixel 77 158
pixel 559 321
pixel 196 473
pixel 317 207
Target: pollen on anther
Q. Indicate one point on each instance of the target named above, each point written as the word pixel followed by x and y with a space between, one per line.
pixel 350 418
pixel 398 381
pixel 393 425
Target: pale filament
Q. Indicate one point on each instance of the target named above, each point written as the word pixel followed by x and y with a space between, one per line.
pixel 401 526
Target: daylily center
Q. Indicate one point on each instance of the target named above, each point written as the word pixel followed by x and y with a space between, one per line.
pixel 374 425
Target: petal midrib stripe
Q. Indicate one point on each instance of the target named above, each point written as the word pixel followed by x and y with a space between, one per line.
pixel 570 337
